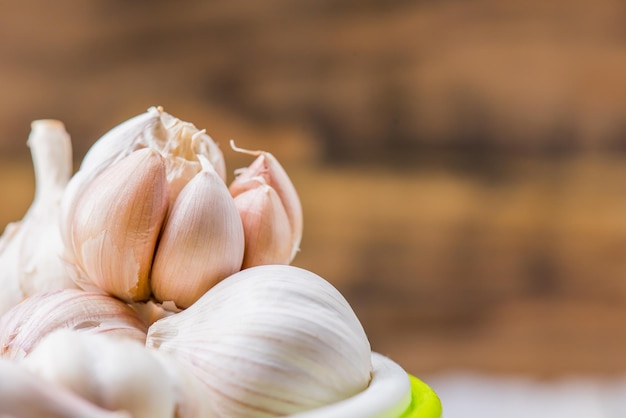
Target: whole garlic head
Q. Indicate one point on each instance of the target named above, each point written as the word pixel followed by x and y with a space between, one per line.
pixel 269 341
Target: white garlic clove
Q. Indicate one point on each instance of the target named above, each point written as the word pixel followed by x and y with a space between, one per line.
pixel 113 373
pixel 31 249
pixel 11 293
pixel 116 223
pixel 266 226
pixel 268 167
pixel 202 241
pixel 270 340
pixel 24 325
pixel 189 391
pixel 25 395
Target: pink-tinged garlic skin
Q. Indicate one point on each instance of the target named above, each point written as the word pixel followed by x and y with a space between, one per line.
pixel 202 241
pixel 179 142
pixel 266 227
pixel 116 224
pixel 275 176
pixel 23 326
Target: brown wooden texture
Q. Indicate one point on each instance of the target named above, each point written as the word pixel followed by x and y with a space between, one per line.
pixel 461 164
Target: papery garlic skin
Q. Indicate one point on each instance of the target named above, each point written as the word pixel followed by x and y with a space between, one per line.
pixel 31 249
pixel 111 372
pixel 202 241
pixel 116 223
pixel 27 323
pixel 129 136
pixel 189 392
pixel 269 341
pixel 275 176
pixel 152 311
pixel 25 395
pixel 179 143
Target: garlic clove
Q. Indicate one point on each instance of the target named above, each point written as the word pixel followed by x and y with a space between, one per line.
pixel 270 340
pixel 24 325
pixel 189 391
pixel 113 373
pixel 266 226
pixel 31 249
pixel 11 293
pixel 202 241
pixel 125 138
pixel 116 224
pixel 177 141
pixel 268 167
pixel 25 395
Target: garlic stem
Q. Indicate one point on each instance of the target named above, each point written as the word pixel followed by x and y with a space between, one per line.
pixel 51 151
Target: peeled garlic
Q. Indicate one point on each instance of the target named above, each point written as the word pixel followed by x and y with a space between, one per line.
pixel 116 223
pixel 202 241
pixel 113 373
pixel 269 341
pixel 23 326
pixel 25 395
pixel 268 167
pixel 31 250
pixel 266 226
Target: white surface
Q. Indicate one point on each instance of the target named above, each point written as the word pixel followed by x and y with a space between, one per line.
pixel 466 395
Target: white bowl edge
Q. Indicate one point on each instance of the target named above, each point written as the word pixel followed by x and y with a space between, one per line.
pixel 387 396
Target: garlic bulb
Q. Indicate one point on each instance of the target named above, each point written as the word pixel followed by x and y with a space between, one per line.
pixel 180 143
pixel 111 372
pixel 116 223
pixel 269 341
pixel 31 250
pixel 274 175
pixel 25 395
pixel 189 391
pixel 24 325
pixel 202 241
pixel 148 214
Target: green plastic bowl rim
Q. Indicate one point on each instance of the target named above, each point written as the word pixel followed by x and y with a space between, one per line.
pixel 424 401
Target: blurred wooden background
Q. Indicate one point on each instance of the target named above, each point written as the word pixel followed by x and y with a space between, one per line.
pixel 461 164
